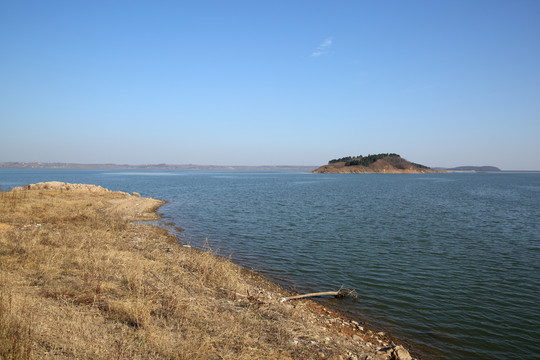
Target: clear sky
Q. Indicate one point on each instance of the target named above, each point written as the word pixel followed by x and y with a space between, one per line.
pixel 442 83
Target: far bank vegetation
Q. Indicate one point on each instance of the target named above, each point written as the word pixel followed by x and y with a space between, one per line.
pixel 370 159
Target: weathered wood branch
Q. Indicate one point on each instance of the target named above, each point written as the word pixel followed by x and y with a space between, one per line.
pixel 325 293
pixel 342 292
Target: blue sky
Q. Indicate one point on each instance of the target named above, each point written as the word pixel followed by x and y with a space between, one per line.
pixel 443 83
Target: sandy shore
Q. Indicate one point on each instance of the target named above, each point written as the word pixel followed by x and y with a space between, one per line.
pixel 80 277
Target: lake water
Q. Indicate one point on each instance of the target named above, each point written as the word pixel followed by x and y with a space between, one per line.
pixel 450 263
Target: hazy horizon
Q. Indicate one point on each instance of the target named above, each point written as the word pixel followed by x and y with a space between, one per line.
pixel 245 83
pixel 238 166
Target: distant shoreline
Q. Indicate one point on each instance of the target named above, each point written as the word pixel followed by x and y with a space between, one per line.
pixel 304 168
pixel 493 172
pixel 78 166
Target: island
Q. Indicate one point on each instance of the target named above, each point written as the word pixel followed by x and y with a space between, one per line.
pixel 388 163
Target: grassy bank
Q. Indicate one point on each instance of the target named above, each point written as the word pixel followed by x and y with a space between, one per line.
pixel 80 279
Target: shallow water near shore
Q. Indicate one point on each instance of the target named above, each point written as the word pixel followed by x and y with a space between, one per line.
pixel 449 263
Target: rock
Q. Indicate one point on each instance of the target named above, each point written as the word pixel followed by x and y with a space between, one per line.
pixel 356 338
pixel 136 194
pixel 60 186
pixel 385 353
pixel 393 353
pixel 400 353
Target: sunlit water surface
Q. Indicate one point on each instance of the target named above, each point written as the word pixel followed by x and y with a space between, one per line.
pixel 449 263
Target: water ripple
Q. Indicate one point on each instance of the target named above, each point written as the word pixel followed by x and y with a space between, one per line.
pixel 447 262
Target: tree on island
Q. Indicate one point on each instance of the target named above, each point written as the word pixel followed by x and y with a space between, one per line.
pixel 368 160
pixel 362 160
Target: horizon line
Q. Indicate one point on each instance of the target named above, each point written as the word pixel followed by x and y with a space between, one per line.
pixel 192 166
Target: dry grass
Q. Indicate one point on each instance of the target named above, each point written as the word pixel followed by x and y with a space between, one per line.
pixel 79 279
pixel 14 331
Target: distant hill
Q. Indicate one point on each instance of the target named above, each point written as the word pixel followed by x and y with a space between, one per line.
pixel 473 168
pixel 388 163
pixel 39 165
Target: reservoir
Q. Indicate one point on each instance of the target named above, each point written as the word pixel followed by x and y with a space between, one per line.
pixel 450 263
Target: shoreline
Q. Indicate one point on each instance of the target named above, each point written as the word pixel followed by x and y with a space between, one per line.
pixel 160 288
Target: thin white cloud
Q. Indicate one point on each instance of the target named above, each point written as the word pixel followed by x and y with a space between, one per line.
pixel 322 48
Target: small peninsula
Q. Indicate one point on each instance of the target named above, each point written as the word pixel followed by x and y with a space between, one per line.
pixel 388 163
pixel 83 276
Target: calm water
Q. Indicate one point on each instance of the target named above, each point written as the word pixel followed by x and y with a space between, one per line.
pixel 448 262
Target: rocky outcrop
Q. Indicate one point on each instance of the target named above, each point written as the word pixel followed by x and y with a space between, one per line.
pixel 60 186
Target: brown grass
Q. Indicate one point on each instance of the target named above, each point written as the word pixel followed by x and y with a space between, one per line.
pixel 80 279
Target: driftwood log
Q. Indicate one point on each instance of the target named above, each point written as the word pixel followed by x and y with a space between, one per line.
pixel 342 292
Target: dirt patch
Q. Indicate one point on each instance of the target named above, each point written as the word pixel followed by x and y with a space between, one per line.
pixel 4 227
